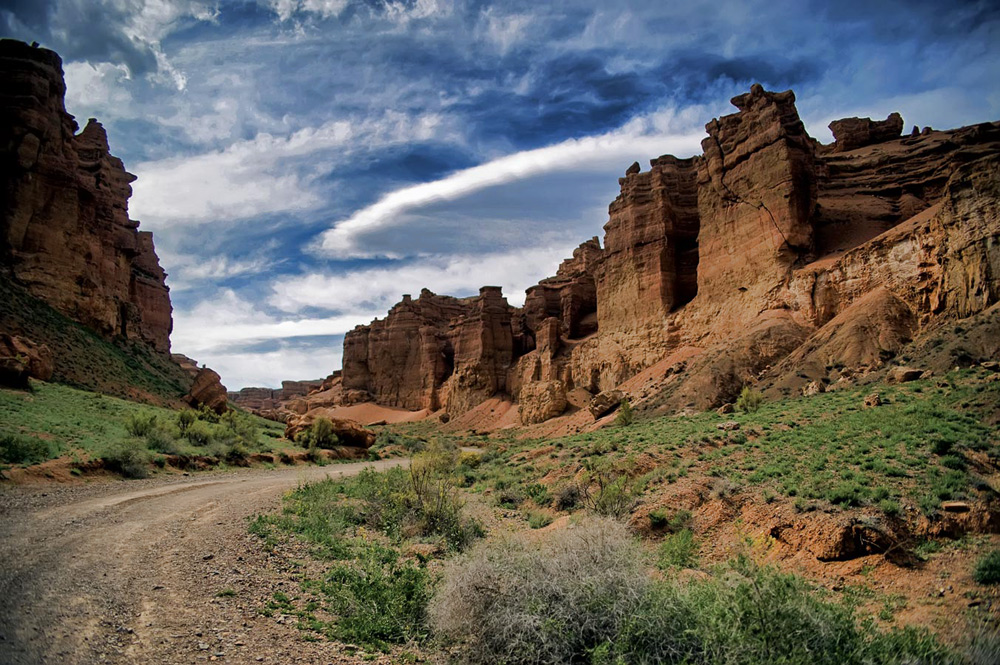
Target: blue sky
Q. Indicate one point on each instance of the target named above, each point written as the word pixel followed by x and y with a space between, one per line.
pixel 303 163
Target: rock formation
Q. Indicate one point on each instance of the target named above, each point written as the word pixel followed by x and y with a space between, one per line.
pixel 206 385
pixel 20 359
pixel 270 399
pixel 769 259
pixel 65 233
pixel 852 133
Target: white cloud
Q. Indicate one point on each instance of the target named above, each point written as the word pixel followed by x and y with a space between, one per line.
pixel 504 30
pixel 656 134
pixel 379 288
pixel 93 88
pixel 269 369
pixel 226 321
pixel 285 9
pixel 261 175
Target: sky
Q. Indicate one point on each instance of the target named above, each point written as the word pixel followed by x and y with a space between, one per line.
pixel 304 163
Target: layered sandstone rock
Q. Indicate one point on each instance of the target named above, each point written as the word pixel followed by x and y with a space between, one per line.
pixel 768 259
pixel 853 133
pixel 206 385
pixel 404 359
pixel 757 193
pixel 65 233
pixel 570 296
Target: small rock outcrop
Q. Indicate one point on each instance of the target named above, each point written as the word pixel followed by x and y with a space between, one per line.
pixel 21 359
pixel 206 388
pixel 853 133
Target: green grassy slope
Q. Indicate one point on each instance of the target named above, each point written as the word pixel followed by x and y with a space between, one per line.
pixel 54 420
pixel 84 359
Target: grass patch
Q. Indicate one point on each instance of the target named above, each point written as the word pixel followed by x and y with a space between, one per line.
pixel 372 594
pixel 56 419
pixel 987 570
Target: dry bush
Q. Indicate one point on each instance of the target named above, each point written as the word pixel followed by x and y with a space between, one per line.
pixel 606 489
pixel 552 601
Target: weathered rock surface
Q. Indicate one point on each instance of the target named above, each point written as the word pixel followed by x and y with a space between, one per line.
pixel 65 233
pixel 21 358
pixel 206 388
pixel 853 133
pixel 605 402
pixel 540 401
pixel 570 296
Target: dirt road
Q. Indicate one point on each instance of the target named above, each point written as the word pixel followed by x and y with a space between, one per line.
pixel 156 571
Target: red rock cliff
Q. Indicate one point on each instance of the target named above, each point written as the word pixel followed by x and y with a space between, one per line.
pixel 64 227
pixel 770 257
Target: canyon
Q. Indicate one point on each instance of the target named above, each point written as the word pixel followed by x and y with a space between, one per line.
pixel 768 260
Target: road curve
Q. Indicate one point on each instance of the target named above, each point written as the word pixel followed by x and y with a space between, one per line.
pixel 131 571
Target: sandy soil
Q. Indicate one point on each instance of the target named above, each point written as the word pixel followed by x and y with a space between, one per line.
pixel 369 412
pixel 130 571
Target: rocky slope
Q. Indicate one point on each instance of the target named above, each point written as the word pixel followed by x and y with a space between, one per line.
pixel 769 259
pixel 65 235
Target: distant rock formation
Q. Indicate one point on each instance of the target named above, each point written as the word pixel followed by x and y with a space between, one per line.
pixel 769 259
pixel 65 233
pixel 269 400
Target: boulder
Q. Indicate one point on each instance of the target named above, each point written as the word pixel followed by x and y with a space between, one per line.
pixel 814 388
pixel 36 358
pixel 903 374
pixel 208 391
pixel 605 402
pixel 349 433
pixel 872 400
pixel 541 401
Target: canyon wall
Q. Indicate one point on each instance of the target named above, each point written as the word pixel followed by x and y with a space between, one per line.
pixel 770 258
pixel 67 243
pixel 65 233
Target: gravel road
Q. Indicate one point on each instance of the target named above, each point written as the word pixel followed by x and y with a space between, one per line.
pixel 155 571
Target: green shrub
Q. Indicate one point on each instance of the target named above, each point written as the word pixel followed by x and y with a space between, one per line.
pixel 129 458
pixel 509 497
pixel 606 490
pixel 199 433
pixel 20 449
pixel 185 419
pixel 890 507
pixel 580 596
pixel 161 441
pixel 538 493
pixel 661 519
pixel 320 434
pixel 626 414
pixel 140 424
pixel 987 570
pixel 538 520
pixel 749 400
pixel 678 550
pixel 378 598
